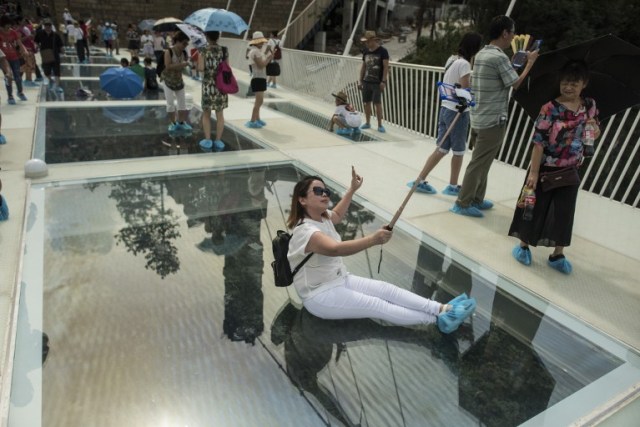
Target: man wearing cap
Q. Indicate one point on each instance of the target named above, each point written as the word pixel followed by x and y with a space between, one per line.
pixel 50 44
pixel 344 117
pixel 373 77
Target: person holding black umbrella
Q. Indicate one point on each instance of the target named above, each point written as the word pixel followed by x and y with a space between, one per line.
pixel 558 147
pixel 491 79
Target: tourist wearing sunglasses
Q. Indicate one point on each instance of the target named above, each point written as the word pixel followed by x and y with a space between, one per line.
pixel 328 290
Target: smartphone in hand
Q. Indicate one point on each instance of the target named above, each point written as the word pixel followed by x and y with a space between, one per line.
pixel 520 58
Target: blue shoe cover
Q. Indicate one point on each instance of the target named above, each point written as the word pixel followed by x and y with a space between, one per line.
pixel 206 144
pixel 522 255
pixel 4 209
pixel 451 190
pixel 423 187
pixel 253 125
pixel 470 211
pixel 483 205
pixel 3 140
pixel 462 297
pixel 562 265
pixel 381 129
pixel 450 320
pixel 218 145
pixel 261 122
pixel 365 126
pixel 343 131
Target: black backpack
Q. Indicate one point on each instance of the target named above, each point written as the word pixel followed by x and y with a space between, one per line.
pixel 160 66
pixel 282 274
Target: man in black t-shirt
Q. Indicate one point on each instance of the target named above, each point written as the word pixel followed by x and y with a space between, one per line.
pixel 373 77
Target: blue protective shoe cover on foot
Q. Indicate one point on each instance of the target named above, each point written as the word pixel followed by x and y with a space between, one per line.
pixel 522 255
pixel 562 265
pixel 450 320
pixel 483 205
pixel 365 126
pixel 468 211
pixel 218 145
pixel 4 209
pixel 206 144
pixel 423 187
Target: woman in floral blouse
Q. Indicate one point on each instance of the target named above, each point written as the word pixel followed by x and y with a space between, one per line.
pixel 558 143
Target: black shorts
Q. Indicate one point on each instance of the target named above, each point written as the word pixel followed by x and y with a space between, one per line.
pixel 258 84
pixel 134 44
pixel 371 93
pixel 52 68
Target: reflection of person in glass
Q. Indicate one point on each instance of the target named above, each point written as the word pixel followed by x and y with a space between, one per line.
pixel 326 288
pixel 236 235
pixel 309 344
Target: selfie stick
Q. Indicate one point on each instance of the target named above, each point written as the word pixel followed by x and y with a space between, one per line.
pixel 464 100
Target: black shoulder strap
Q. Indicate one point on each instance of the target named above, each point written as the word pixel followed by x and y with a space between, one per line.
pixel 303 262
pixel 299 266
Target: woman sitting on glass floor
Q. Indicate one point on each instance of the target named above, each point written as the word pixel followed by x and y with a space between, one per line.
pixel 326 288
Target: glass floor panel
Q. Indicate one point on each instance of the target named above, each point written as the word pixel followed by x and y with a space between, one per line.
pixel 83 70
pixel 71 51
pixel 96 133
pixel 315 119
pixel 156 298
pixel 73 59
pixel 72 92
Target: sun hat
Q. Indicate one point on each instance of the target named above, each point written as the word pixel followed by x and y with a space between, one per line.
pixel 341 96
pixel 368 35
pixel 258 38
pixel 47 21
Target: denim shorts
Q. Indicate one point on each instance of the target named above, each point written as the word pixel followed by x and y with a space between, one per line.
pixel 457 139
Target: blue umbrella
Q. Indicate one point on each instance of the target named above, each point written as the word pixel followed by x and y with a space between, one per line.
pixel 147 24
pixel 211 19
pixel 124 114
pixel 121 83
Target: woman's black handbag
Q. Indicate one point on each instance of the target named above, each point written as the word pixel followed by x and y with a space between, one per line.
pixel 559 178
pixel 273 69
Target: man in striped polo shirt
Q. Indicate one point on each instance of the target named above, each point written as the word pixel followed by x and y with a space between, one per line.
pixel 491 78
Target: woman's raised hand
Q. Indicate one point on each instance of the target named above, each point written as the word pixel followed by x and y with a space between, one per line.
pixel 356 180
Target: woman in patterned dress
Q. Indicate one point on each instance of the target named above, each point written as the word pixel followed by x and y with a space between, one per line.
pixel 209 59
pixel 558 143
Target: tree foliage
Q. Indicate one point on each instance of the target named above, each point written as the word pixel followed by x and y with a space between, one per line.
pixel 559 24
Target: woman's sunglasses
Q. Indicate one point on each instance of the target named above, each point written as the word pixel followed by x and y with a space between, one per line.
pixel 319 191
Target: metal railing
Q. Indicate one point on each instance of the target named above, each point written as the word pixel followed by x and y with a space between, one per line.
pixel 411 102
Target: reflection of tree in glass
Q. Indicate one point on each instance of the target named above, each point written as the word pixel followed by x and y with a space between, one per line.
pixel 151 227
pixel 356 217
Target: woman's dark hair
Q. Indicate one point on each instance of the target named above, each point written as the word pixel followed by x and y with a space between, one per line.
pixel 574 71
pixel 469 45
pixel 213 35
pixel 300 190
pixel 180 37
pixel 498 25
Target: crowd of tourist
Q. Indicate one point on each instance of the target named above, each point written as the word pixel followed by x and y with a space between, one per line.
pixel 168 56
